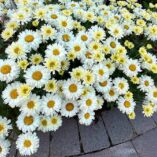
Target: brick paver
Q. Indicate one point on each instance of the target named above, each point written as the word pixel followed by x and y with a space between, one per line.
pixel 94 137
pixel 146 144
pixel 118 126
pixel 122 150
pixel 65 141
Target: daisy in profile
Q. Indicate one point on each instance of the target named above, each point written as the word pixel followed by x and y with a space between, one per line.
pixel 36 59
pixel 72 89
pixel 7 34
pixel 126 105
pixel 111 95
pixel 146 83
pixel 4 147
pixel 32 105
pixel 30 39
pixel 9 70
pixel 55 122
pixel 51 104
pixel 27 143
pixel 48 32
pixel 69 108
pixel 16 51
pixel 121 85
pixel 11 96
pixel 88 102
pixel 27 122
pixel 131 67
pixel 100 102
pixel 44 124
pixel 56 51
pixel 37 76
pixel 101 72
pixel 5 126
pixel 86 117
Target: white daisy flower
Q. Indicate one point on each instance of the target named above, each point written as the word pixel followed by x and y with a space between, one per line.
pixel 125 105
pixel 56 51
pixel 5 126
pixel 51 104
pixel 104 85
pixel 48 32
pixel 69 108
pixel 111 95
pixel 65 23
pixel 16 51
pixel 146 83
pixel 9 70
pixel 27 122
pixel 4 147
pixel 116 31
pixel 55 122
pixel 40 13
pixel 83 36
pixel 131 68
pixel 27 143
pixel 121 85
pixel 72 89
pixel 30 39
pixel 86 117
pixel 101 72
pixel 44 125
pixel 32 105
pixel 37 76
pixel 88 102
pixel 11 96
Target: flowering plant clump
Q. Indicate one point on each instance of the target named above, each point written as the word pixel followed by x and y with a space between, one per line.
pixel 66 59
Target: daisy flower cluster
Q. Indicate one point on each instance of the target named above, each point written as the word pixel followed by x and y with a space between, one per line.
pixel 71 59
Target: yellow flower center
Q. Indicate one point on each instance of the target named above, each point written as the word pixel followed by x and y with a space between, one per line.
pixel 77 48
pixel 53 120
pixel 44 122
pixel 56 52
pixel 17 50
pixel 103 84
pixel 5 69
pixel 14 94
pixel 37 75
pixel 84 38
pixel 88 55
pixel 64 23
pixel 127 104
pixel 111 92
pixel 27 143
pixel 28 120
pixel 155 94
pixel 51 104
pixel 69 106
pixel 121 85
pixel 30 104
pixel 146 83
pixel 113 44
pixel 89 102
pixel 66 37
pixel 29 38
pixel 1 127
pixel 73 88
pixel 132 67
pixel 48 31
pixel 87 116
pixel 101 72
pixel 126 27
pixel 54 16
